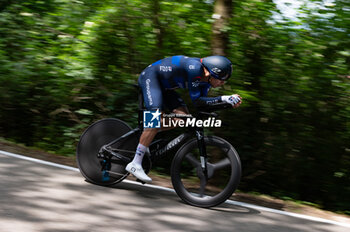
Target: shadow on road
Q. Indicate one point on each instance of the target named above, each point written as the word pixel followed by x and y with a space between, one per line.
pixel 146 192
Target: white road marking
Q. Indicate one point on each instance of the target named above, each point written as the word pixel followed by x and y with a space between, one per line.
pixel 237 203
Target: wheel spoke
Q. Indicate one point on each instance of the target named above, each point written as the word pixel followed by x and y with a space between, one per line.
pixel 193 161
pixel 221 164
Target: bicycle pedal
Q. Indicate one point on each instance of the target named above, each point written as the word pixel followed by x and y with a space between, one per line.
pixel 105 176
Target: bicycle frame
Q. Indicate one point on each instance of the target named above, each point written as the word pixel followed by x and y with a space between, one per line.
pixel 156 150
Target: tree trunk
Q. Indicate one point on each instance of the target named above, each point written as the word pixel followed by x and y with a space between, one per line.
pixel 158 29
pixel 220 34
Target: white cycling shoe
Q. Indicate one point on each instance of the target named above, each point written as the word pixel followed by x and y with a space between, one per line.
pixel 138 172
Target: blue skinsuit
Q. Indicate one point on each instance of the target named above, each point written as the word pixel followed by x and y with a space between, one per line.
pixel 159 80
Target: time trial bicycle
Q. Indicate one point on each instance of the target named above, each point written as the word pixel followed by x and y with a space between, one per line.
pixel 205 170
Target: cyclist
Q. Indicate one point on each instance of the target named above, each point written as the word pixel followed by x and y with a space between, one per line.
pixel 158 82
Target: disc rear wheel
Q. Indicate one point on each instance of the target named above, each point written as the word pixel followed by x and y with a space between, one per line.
pixel 95 136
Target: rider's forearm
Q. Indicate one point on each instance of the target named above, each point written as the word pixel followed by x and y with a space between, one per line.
pixel 207 101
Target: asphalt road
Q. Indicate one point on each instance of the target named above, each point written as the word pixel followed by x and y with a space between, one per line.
pixel 37 197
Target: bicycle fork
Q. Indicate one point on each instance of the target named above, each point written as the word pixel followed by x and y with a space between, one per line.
pixel 202 152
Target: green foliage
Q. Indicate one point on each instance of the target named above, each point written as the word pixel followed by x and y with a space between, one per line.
pixel 65 64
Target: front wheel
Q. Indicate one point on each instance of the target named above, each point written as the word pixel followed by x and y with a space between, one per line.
pixel 222 178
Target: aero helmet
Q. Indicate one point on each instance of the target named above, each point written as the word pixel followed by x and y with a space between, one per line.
pixel 219 67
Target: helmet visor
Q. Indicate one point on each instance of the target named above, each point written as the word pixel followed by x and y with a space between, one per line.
pixel 216 76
